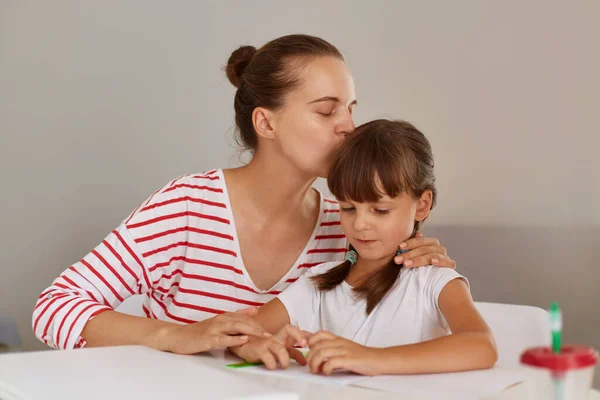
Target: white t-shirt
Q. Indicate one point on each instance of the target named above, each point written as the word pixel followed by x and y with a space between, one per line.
pixel 409 312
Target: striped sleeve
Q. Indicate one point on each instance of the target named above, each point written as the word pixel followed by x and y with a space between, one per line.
pixel 105 277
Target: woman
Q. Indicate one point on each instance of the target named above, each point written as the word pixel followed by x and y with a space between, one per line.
pixel 206 249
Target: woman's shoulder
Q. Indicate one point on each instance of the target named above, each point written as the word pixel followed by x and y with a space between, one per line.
pixel 211 180
pixel 330 203
pixel 181 194
pixel 330 215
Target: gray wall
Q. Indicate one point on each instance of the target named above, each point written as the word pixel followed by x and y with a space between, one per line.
pixel 101 103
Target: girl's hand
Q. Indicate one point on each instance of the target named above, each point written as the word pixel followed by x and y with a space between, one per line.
pixel 277 349
pixel 424 251
pixel 329 352
pixel 224 330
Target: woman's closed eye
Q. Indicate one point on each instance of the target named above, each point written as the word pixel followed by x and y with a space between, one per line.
pixel 326 112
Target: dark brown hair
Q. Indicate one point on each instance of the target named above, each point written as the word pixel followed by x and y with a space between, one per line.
pixel 264 76
pixel 396 155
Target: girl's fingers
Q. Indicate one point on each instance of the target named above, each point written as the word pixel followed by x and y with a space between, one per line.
pixel 298 356
pixel 320 336
pixel 268 359
pixel 320 356
pixel 296 335
pixel 334 363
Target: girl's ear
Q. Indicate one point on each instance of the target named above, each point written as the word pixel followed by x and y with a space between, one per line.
pixel 424 205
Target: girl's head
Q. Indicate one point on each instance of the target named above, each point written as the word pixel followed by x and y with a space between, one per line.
pixel 383 179
pixel 294 101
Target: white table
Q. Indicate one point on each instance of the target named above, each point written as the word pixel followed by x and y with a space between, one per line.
pixel 136 372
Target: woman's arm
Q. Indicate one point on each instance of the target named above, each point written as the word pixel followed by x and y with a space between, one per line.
pixel 111 328
pixel 79 307
pixel 470 346
pixel 96 284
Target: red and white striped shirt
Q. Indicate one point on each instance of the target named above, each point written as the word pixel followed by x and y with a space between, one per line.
pixel 180 250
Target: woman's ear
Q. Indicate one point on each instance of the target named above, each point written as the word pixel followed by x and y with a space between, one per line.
pixel 263 121
pixel 424 205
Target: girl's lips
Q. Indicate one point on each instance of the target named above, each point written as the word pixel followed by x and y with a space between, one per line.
pixel 364 241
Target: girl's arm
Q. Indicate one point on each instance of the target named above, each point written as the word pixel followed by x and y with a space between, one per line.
pixel 273 316
pixel 278 348
pixel 470 346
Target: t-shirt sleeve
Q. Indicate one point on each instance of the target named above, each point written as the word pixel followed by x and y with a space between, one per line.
pixel 435 279
pixel 301 300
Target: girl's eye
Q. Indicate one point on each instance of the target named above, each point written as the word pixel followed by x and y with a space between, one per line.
pixel 381 212
pixel 346 209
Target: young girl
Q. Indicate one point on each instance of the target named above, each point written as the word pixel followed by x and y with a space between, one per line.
pixel 372 316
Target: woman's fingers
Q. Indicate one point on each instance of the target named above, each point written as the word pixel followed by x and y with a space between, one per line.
pixel 237 324
pixel 443 261
pixel 420 261
pixel 246 326
pixel 421 251
pixel 250 311
pixel 231 341
pixel 418 241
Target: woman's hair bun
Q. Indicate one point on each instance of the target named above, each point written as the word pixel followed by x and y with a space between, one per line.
pixel 237 63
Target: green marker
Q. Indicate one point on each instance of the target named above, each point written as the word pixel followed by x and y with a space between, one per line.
pixel 242 365
pixel 248 364
pixel 556 327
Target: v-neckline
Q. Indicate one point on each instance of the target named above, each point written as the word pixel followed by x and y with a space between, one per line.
pixel 236 243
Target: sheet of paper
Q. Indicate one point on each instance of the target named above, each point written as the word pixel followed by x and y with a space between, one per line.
pixel 469 385
pixel 452 386
pixel 297 371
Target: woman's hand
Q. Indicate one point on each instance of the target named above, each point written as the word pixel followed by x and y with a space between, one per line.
pixel 424 251
pixel 224 330
pixel 277 349
pixel 329 352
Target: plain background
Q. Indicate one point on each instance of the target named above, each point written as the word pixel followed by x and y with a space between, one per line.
pixel 101 103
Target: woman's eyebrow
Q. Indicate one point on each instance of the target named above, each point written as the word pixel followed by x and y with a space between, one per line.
pixel 331 98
